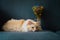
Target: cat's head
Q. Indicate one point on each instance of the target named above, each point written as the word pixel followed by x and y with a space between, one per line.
pixel 33 26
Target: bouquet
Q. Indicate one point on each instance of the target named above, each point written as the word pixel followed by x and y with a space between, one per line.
pixel 38 10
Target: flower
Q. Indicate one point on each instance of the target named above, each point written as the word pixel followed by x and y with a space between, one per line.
pixel 38 11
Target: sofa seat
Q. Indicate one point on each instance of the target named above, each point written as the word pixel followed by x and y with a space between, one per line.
pixel 43 35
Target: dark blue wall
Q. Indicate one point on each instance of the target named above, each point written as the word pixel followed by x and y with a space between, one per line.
pixel 54 14
pixel 23 9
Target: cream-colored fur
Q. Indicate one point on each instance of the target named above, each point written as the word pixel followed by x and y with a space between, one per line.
pixel 20 25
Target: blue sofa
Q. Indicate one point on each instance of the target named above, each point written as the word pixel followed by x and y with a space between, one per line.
pixel 43 35
pixel 22 9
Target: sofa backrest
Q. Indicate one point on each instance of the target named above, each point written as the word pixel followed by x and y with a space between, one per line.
pixel 23 9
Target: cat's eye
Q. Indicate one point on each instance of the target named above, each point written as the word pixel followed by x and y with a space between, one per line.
pixel 36 27
pixel 32 27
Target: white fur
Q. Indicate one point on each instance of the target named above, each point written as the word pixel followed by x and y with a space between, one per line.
pixel 24 26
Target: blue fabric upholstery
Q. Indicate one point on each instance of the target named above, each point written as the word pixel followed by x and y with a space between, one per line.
pixel 44 35
pixel 23 9
pixel 58 32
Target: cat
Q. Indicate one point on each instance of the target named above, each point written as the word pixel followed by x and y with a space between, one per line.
pixel 21 25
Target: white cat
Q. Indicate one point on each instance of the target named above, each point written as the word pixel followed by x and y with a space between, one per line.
pixel 21 25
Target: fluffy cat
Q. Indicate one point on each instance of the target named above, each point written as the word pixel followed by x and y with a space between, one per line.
pixel 21 25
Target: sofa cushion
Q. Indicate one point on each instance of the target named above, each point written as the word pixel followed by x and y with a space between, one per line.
pixel 43 35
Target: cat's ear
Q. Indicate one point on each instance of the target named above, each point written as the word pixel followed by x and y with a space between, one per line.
pixel 29 23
